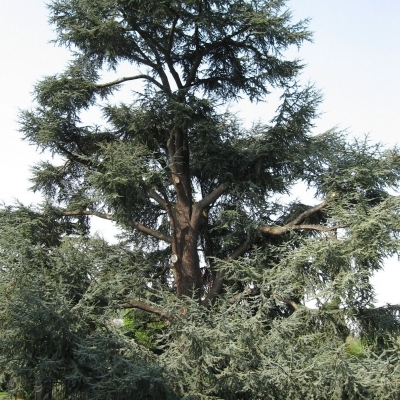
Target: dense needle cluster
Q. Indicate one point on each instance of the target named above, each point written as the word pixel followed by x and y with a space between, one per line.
pixel 228 286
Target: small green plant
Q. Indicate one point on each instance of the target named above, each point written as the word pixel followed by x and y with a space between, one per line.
pixel 354 346
pixel 143 329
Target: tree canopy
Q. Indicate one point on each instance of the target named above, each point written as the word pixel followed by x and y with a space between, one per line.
pixel 228 286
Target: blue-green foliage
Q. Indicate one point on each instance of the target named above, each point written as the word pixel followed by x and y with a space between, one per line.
pixel 265 297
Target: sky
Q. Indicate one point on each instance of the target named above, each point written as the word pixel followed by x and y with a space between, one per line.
pixel 354 60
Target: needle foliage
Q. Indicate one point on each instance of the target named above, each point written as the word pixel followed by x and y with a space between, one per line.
pixel 224 283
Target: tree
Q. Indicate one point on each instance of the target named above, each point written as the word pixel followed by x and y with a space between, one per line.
pixel 209 244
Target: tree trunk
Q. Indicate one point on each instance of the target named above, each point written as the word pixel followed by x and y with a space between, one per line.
pixel 187 273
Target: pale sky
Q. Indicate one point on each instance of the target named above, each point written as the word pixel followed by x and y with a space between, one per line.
pixel 354 60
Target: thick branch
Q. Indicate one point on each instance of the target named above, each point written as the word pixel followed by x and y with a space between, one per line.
pixel 130 78
pixel 280 230
pixel 207 201
pixel 152 232
pixel 308 213
pixel 212 197
pixel 179 166
pixel 136 225
pixel 240 251
pixel 155 196
pixel 155 45
pixel 193 71
pixel 199 56
pixel 215 289
pixel 78 213
pixel 296 223
pixel 146 307
pixel 171 34
pixel 289 302
pixel 272 230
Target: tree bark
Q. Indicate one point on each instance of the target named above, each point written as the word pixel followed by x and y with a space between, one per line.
pixel 186 269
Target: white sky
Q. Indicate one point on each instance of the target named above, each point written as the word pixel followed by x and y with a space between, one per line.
pixel 354 60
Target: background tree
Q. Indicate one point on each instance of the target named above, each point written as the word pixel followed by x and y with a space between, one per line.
pixel 207 244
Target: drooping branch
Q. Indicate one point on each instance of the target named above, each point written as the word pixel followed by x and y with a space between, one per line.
pixel 130 78
pixel 248 291
pixel 137 225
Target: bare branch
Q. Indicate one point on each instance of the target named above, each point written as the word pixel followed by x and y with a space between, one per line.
pixel 152 232
pixel 78 213
pixel 289 302
pixel 240 251
pixel 308 213
pixel 136 225
pixel 130 78
pixel 206 201
pixel 155 196
pixel 296 223
pixel 280 230
pixel 212 197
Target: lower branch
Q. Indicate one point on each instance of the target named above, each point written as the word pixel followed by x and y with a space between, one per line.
pixel 136 225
